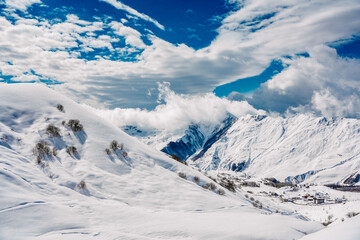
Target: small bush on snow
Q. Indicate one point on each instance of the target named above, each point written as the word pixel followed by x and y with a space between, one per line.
pixel 210 186
pixel 72 150
pixel 60 107
pixel 182 175
pixel 114 145
pixel 221 192
pixel 351 214
pixel 213 186
pixel 124 154
pixel 228 184
pixel 41 149
pixel 75 125
pixel 108 152
pixel 54 151
pixel 81 185
pixel 196 179
pixel 52 131
pixel 327 223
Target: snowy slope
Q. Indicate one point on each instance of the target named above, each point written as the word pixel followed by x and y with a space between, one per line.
pixel 299 148
pixel 348 230
pixel 139 196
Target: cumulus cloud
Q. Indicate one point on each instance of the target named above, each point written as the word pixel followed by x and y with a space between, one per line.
pixel 177 111
pixel 132 36
pixel 20 4
pixel 132 11
pixel 250 37
pixel 322 83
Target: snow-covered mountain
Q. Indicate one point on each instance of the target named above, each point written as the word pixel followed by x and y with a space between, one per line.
pixel 61 180
pixel 296 149
pixel 198 139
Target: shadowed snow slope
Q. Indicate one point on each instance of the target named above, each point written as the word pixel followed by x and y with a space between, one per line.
pixel 133 196
pixel 299 148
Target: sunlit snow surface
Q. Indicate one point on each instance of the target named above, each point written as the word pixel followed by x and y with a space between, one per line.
pixel 137 197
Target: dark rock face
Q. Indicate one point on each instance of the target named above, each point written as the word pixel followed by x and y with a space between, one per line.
pixel 194 140
pixel 238 167
pixel 353 179
pixel 190 143
pixel 217 134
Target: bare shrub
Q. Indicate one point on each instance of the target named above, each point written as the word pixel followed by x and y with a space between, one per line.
pixel 108 152
pixel 75 125
pixel 351 214
pixel 221 192
pixel 327 223
pixel 247 196
pixel 124 154
pixel 212 186
pixel 114 145
pixel 63 123
pixel 228 184
pixel 249 184
pixel 41 149
pixel 251 198
pixel 72 150
pixel 196 179
pixel 38 160
pixel 60 107
pixel 81 184
pixel 52 131
pixel 54 151
pixel 182 175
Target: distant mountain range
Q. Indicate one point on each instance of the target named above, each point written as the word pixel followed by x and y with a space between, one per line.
pixel 296 149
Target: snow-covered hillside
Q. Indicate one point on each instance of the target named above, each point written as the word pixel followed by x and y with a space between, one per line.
pixel 299 148
pixel 80 191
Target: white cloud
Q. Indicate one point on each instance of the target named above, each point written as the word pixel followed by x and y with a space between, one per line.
pixel 245 45
pixel 178 111
pixel 20 4
pixel 132 11
pixel 132 37
pixel 324 83
pixel 330 105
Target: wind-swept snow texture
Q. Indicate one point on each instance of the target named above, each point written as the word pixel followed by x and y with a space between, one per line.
pixel 138 196
pixel 296 149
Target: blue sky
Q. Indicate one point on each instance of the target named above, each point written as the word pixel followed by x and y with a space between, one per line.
pixel 111 53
